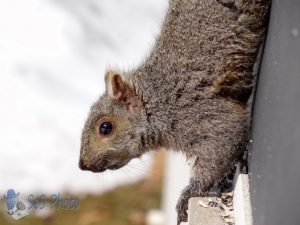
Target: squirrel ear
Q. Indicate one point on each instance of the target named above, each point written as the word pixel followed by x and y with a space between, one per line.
pixel 118 89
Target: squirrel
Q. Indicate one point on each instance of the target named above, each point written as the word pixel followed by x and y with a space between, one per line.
pixel 190 94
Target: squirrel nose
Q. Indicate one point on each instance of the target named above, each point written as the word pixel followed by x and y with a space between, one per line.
pixel 82 165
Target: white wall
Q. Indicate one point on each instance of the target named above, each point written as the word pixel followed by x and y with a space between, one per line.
pixel 176 178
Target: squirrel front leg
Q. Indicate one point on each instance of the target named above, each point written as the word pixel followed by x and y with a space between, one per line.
pixel 196 188
pixel 199 186
pixel 216 145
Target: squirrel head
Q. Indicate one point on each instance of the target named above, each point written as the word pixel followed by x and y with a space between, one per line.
pixel 112 133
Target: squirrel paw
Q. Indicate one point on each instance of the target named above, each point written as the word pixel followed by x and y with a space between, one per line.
pixel 196 188
pixel 182 207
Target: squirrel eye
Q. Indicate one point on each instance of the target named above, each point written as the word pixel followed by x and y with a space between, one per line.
pixel 105 128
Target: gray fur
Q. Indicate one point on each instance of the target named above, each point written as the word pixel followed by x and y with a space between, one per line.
pixel 190 93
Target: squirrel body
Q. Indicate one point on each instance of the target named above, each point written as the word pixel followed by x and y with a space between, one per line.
pixel 190 94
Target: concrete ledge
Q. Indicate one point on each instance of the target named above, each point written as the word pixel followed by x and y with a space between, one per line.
pixel 232 208
pixel 202 214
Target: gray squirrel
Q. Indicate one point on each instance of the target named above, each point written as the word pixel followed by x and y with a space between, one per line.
pixel 189 94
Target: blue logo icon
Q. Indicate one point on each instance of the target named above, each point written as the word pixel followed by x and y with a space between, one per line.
pixel 15 207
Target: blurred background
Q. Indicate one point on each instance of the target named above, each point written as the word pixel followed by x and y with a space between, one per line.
pixel 53 54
